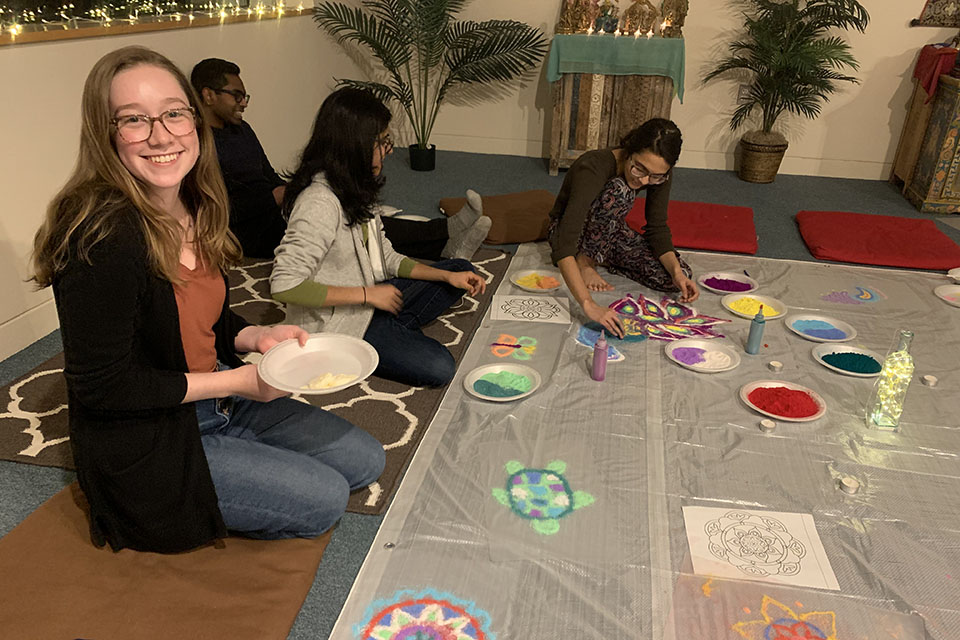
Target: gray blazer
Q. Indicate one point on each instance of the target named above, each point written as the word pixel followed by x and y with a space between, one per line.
pixel 318 245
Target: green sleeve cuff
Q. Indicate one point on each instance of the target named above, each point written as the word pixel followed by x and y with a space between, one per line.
pixel 306 294
pixel 406 267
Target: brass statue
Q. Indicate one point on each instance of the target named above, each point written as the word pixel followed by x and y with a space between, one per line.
pixel 674 12
pixel 576 16
pixel 640 18
pixel 608 19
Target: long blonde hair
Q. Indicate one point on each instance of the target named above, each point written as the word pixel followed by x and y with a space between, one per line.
pixel 80 214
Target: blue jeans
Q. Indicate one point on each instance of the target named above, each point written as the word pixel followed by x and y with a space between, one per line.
pixel 283 469
pixel 406 355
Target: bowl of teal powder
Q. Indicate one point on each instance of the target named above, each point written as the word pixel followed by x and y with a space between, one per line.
pixel 850 361
pixel 502 382
pixel 820 328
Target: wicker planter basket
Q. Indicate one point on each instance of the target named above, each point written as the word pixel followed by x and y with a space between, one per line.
pixel 760 156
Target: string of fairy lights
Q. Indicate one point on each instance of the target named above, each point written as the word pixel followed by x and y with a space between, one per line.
pixel 24 16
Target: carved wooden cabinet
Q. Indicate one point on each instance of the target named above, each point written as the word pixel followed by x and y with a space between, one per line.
pixel 933 185
pixel 593 111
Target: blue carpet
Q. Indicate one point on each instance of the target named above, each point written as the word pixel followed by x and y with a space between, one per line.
pixel 24 487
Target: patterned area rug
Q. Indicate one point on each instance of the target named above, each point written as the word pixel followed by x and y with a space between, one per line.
pixel 33 428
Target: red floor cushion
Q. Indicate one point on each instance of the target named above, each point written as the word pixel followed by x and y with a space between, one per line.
pixel 701 225
pixel 890 241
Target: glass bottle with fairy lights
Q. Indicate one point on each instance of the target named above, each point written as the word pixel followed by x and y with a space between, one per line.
pixel 886 404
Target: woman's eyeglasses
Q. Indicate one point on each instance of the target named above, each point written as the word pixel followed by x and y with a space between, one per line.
pixel 238 95
pixel 137 127
pixel 652 178
pixel 386 144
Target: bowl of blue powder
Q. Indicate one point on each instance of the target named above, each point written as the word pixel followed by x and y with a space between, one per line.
pixel 502 382
pixel 818 328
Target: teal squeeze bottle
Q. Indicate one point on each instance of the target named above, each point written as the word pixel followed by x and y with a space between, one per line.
pixel 756 332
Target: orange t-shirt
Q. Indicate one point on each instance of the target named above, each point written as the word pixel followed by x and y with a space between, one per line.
pixel 199 302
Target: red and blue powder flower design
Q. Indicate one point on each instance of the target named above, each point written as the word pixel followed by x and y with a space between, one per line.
pixel 425 615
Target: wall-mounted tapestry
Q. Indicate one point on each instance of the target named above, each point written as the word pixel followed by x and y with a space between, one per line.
pixel 939 13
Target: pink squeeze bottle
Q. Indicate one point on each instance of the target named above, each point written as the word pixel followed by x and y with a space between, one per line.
pixel 599 358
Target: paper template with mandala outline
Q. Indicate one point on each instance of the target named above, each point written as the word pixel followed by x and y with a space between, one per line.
pixel 770 546
pixel 530 308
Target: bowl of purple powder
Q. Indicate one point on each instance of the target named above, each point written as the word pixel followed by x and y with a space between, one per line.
pixel 724 282
pixel 850 361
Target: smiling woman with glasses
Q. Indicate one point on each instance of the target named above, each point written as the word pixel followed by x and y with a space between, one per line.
pixel 176 440
pixel 588 222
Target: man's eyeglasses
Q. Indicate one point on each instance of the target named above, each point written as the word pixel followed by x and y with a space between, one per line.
pixel 385 143
pixel 652 178
pixel 238 95
pixel 137 127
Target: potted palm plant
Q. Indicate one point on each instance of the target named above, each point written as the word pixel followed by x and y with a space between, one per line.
pixel 794 63
pixel 426 52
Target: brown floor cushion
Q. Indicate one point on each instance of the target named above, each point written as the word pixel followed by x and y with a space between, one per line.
pixel 517 217
pixel 55 584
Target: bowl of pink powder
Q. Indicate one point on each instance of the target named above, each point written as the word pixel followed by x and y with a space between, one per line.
pixel 724 282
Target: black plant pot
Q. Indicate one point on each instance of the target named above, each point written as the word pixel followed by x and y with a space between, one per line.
pixel 423 159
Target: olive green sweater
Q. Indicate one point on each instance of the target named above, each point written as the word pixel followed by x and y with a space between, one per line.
pixel 581 186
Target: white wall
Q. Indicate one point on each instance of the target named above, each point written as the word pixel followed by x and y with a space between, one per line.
pixel 288 67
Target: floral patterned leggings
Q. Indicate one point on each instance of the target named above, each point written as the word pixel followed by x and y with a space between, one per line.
pixel 609 241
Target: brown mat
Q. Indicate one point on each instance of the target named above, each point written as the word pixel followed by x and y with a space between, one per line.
pixel 517 217
pixel 33 428
pixel 56 584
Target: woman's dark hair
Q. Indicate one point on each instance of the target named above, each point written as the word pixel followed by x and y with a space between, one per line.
pixel 341 146
pixel 659 136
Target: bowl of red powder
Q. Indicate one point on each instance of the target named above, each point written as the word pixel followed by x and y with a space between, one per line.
pixel 724 282
pixel 783 400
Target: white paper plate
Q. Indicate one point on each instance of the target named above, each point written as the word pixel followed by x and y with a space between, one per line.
pixel 768 302
pixel 748 388
pixel 708 346
pixel 847 329
pixel 411 216
pixel 289 367
pixel 826 349
pixel 949 293
pixel 727 275
pixel 516 275
pixel 518 369
pixel 954 274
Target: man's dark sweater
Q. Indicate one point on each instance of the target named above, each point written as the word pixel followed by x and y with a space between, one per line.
pixel 254 214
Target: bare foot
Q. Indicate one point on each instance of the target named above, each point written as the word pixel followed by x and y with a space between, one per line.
pixel 593 280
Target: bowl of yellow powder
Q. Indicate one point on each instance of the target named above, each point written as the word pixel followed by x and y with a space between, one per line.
pixel 537 280
pixel 328 363
pixel 746 305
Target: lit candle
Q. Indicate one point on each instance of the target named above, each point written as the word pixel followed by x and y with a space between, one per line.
pixel 590 31
pixel 650 33
pixel 636 34
pixel 617 32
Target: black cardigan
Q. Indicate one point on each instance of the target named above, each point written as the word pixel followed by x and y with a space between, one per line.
pixel 137 448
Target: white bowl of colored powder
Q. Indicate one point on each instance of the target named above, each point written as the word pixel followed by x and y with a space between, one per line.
pixel 746 305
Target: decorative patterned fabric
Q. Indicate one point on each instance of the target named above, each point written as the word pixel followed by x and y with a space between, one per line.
pixel 941 13
pixel 666 321
pixel 611 242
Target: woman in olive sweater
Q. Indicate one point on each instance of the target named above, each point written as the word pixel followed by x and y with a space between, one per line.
pixel 588 228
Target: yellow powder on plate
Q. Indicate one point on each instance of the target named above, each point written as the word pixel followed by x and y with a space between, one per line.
pixel 750 306
pixel 537 281
pixel 329 381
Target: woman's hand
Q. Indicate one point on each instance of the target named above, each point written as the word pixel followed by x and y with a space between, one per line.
pixel 276 334
pixel 604 316
pixel 385 297
pixel 252 386
pixel 468 280
pixel 593 280
pixel 688 288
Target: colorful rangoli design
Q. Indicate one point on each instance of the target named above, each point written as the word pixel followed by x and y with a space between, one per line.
pixel 781 623
pixel 860 295
pixel 542 496
pixel 425 615
pixel 757 545
pixel 667 320
pixel 507 346
pixel 588 336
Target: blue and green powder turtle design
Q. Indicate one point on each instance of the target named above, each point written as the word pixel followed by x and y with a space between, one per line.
pixel 542 496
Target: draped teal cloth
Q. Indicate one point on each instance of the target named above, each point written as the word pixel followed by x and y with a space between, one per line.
pixel 621 56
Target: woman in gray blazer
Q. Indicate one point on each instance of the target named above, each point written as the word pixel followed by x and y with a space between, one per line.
pixel 335 269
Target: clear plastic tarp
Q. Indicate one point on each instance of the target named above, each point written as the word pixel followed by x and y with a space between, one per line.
pixel 621 458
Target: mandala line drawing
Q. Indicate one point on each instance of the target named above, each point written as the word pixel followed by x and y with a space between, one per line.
pixel 542 496
pixel 424 615
pixel 757 545
pixel 507 346
pixel 530 308
pixel 666 320
pixel 780 622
